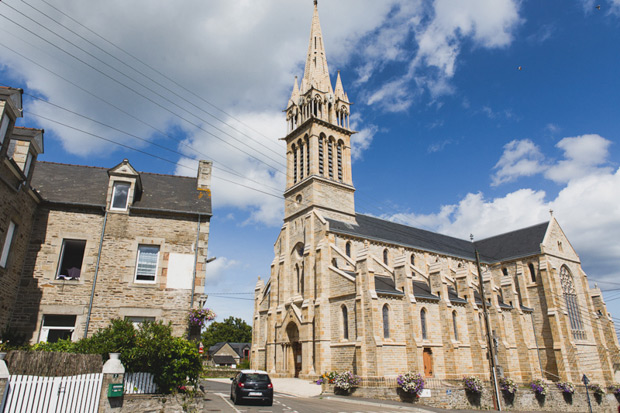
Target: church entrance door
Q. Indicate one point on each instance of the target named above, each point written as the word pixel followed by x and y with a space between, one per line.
pixel 297 357
pixel 428 362
pixel 293 336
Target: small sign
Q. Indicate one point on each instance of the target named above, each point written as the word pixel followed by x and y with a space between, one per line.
pixel 115 390
pixel 449 392
pixel 426 393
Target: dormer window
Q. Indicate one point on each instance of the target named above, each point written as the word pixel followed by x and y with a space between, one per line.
pixel 120 196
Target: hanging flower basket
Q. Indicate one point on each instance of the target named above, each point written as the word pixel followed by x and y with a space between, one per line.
pixel 540 387
pixel 346 381
pixel 199 317
pixel 566 387
pixel 472 384
pixel 507 385
pixel 412 383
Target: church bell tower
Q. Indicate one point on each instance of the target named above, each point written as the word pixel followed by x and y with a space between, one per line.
pixel 318 141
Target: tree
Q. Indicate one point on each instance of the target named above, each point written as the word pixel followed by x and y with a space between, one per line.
pixel 232 329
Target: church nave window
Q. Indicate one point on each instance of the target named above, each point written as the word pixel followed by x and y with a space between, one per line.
pixel 301 161
pixel 348 249
pixel 345 322
pixel 386 321
pixel 386 258
pixel 423 324
pixel 532 272
pixel 454 325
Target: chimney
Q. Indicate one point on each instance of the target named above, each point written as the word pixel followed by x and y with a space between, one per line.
pixel 204 175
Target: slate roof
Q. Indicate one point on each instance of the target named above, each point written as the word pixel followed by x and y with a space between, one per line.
pixel 237 347
pixel 454 297
pixel 385 285
pixel 421 290
pixel 88 185
pixel 224 360
pixel 519 243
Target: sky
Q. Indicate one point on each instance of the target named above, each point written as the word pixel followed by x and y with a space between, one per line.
pixel 473 117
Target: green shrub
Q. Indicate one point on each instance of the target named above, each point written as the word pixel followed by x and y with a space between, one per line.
pixel 152 348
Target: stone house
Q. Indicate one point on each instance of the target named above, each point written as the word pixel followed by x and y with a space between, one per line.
pixel 19 148
pixel 353 292
pixel 228 354
pixel 98 243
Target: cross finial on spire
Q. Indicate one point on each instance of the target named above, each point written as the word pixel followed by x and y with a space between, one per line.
pixel 316 3
pixel 551 212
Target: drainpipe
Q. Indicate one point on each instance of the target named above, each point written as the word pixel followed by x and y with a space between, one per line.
pixel 92 294
pixel 191 305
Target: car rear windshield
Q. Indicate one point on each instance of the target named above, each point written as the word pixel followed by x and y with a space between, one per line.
pixel 257 378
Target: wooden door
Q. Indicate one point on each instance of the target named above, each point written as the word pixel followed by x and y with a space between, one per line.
pixel 428 362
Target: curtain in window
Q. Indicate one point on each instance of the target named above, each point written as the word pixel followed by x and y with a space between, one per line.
pixel 147 262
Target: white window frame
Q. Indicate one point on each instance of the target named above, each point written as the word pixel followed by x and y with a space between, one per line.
pixel 27 164
pixel 4 127
pixel 138 320
pixel 135 277
pixel 118 183
pixel 45 330
pixel 6 247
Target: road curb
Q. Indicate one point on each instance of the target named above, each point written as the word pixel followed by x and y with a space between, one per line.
pixel 379 405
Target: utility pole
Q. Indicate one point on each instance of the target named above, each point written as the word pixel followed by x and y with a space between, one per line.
pixel 487 323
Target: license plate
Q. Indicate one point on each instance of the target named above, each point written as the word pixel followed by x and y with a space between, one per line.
pixel 255 393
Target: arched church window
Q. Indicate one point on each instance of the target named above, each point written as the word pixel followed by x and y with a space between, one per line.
pixel 386 321
pixel 347 249
pixel 321 166
pixel 301 280
pixel 345 322
pixel 340 161
pixel 423 324
pixel 307 156
pixel 298 277
pixel 386 257
pixel 454 325
pixel 412 259
pixel 572 305
pixel 532 272
pixel 294 148
pixel 301 161
pixel 505 271
pixel 330 158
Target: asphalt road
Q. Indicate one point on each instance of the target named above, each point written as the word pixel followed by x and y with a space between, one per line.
pixel 219 401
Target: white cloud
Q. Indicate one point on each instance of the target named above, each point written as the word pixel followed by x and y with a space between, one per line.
pixel 520 158
pixel 363 138
pixel 215 270
pixel 586 207
pixel 584 156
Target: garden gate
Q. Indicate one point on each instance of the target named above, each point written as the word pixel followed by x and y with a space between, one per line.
pixel 69 394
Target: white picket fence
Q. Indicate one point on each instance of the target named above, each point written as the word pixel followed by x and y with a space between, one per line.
pixel 139 383
pixel 70 394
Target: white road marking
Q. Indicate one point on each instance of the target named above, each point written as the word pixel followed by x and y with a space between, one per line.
pixel 224 397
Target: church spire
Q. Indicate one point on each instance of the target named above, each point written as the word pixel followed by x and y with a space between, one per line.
pixel 316 73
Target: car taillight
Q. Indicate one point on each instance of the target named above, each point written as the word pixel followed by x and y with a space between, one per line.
pixel 241 385
pixel 270 386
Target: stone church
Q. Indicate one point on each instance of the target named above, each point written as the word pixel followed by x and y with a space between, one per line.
pixel 353 292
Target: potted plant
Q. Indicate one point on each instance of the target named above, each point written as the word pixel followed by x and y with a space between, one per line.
pixel 508 388
pixel 598 391
pixel 197 318
pixel 566 387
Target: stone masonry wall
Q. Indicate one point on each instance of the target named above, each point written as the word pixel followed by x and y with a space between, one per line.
pixel 16 205
pixel 117 294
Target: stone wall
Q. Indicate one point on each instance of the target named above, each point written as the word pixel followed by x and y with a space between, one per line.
pixel 17 204
pixel 450 395
pixel 117 294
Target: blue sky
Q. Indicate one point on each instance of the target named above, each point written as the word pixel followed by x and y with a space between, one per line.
pixel 473 117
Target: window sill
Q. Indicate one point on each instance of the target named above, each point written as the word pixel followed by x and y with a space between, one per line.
pixel 60 281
